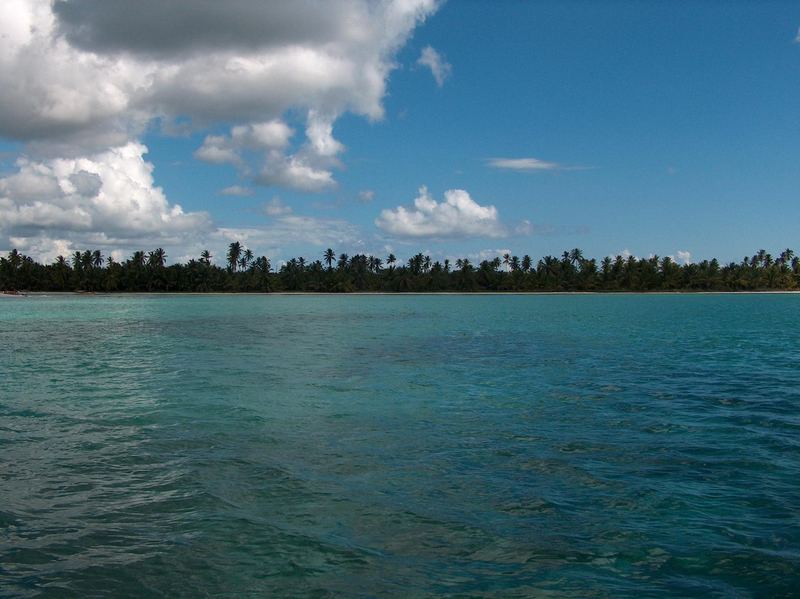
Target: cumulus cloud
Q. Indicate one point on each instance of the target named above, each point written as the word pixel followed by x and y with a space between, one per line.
pixel 440 68
pixel 109 202
pixel 271 136
pixel 105 200
pixel 56 95
pixel 457 216
pixel 296 172
pixel 274 134
pixel 98 70
pixel 82 80
pixel 683 257
pixel 84 75
pixel 309 169
pixel 217 149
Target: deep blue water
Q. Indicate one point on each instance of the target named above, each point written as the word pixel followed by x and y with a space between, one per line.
pixel 410 446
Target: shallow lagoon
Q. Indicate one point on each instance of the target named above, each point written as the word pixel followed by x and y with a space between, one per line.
pixel 486 445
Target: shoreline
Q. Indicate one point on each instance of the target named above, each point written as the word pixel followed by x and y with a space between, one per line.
pixel 395 293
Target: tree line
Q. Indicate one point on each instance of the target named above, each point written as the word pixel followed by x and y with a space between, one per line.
pixel 244 272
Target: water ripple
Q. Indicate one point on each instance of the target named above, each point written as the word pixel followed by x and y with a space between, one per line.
pixel 503 446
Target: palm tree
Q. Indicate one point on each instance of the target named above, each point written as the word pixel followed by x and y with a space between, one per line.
pixel 576 256
pixel 526 263
pixel 329 256
pixel 205 257
pixel 234 253
pixel 375 264
pixel 549 266
pixel 97 259
pixel 157 258
pixel 247 257
pixel 759 257
pixel 415 263
pixel 263 264
pixel 786 256
pixel 62 272
pixel 262 267
pixel 605 269
pixel 390 260
pixel 137 259
pixel 507 261
pixel 15 258
pixel 343 261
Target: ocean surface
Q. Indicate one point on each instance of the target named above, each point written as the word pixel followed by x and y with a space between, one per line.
pixel 406 446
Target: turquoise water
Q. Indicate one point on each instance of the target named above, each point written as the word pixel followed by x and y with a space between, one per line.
pixel 360 446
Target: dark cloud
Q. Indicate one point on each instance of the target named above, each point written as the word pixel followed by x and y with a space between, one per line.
pixel 165 27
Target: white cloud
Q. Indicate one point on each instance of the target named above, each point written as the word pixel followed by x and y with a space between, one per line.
pixel 440 68
pixel 525 227
pixel 294 230
pixel 43 248
pixel 305 170
pixel 86 75
pixel 295 172
pixel 268 135
pixel 320 135
pixel 797 37
pixel 683 257
pixel 489 254
pixel 82 80
pixel 236 190
pixel 220 149
pixel 457 216
pixel 365 196
pixel 109 202
pixel 626 253
pixel 104 200
pixel 217 149
pixel 275 207
pixel 523 164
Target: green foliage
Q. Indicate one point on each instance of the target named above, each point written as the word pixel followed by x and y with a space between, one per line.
pixel 147 271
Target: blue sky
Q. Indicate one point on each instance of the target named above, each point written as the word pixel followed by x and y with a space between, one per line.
pixel 653 127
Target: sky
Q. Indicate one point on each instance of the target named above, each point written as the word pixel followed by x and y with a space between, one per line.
pixel 465 128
